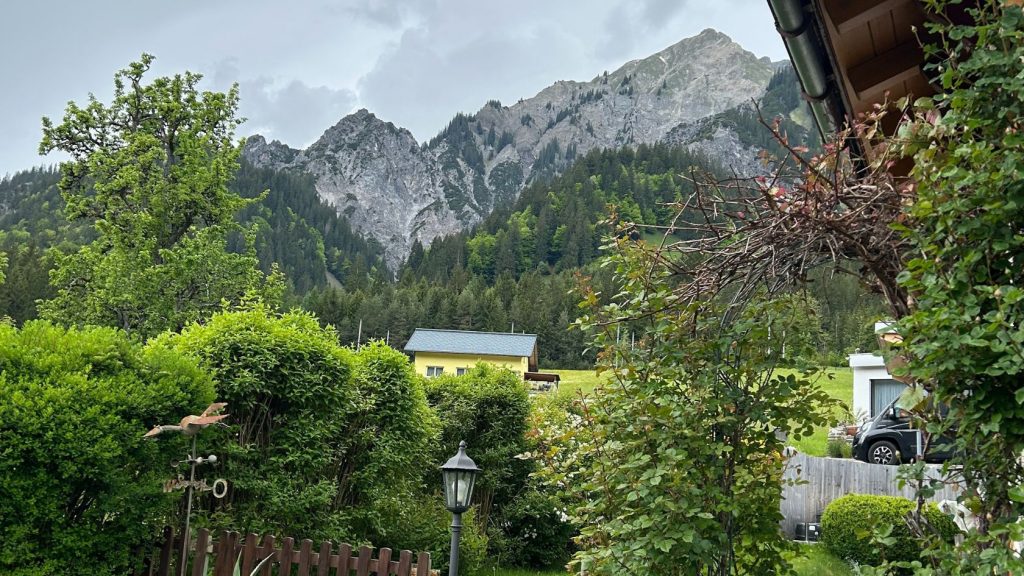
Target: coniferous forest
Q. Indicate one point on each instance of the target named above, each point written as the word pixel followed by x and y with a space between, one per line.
pixel 515 271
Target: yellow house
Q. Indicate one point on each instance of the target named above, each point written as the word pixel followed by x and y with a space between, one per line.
pixel 439 352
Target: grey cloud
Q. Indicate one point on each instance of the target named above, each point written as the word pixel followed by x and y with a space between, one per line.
pixel 628 21
pixel 658 13
pixel 390 13
pixel 293 113
pixel 421 85
pixel 618 33
pixel 415 62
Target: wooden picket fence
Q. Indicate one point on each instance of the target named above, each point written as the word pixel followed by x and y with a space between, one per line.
pixel 822 480
pixel 218 557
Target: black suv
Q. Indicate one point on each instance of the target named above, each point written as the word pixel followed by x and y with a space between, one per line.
pixel 889 439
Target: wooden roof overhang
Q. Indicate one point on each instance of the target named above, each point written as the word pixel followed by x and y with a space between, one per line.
pixel 852 55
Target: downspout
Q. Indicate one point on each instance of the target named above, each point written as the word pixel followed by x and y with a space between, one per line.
pixel 793 23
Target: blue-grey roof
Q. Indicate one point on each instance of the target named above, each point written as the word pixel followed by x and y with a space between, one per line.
pixel 466 342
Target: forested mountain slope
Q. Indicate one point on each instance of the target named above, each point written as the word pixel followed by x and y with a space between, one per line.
pixel 307 239
pixel 400 192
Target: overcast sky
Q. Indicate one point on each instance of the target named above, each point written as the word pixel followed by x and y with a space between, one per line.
pixel 303 64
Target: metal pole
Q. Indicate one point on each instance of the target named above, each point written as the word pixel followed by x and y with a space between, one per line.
pixel 188 511
pixel 453 559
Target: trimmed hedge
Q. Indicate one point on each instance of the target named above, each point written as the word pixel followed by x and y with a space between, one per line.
pixel 847 524
pixel 80 488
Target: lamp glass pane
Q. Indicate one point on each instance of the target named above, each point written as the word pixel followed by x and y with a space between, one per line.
pixel 470 481
pixel 462 491
pixel 450 482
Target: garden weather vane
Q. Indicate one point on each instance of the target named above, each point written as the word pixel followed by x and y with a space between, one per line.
pixel 191 426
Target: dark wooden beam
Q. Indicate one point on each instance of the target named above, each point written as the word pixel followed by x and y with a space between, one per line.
pixel 849 14
pixel 887 69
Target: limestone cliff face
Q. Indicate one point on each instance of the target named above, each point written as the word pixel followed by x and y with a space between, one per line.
pixel 397 190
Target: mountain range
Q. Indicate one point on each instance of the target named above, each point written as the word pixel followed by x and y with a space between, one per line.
pixel 398 191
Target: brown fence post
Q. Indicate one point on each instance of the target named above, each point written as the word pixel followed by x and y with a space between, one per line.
pixel 267 549
pixel 344 560
pixel 248 553
pixel 363 562
pixel 323 565
pixel 285 557
pixel 225 564
pixel 404 563
pixel 199 558
pixel 305 554
pixel 423 564
pixel 164 568
pixel 384 562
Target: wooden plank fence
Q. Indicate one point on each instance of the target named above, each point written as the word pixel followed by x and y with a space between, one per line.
pixel 218 557
pixel 825 479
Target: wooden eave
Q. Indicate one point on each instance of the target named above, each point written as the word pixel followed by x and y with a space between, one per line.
pixel 875 53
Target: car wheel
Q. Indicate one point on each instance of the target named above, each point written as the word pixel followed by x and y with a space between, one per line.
pixel 884 452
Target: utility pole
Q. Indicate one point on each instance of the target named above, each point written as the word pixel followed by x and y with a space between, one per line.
pixel 359 335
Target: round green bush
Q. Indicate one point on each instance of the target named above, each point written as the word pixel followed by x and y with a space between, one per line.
pixel 848 523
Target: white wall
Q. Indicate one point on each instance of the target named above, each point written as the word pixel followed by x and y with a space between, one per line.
pixel 866 367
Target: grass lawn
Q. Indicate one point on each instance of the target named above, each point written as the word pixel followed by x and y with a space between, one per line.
pixel 837 382
pixel 816 562
pixel 577 380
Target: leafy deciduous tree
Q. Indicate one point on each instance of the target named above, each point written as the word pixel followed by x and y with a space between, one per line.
pixel 151 170
pixel 676 464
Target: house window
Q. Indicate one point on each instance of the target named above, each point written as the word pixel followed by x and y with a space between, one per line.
pixel 434 371
pixel 461 371
pixel 883 392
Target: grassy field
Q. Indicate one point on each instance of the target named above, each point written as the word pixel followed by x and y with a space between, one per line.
pixel 837 382
pixel 577 380
pixel 816 562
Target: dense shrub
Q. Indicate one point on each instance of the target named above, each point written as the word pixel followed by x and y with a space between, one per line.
pixel 490 409
pixel 290 394
pixel 79 487
pixel 847 522
pixel 393 438
pixel 531 532
pixel 487 407
pixel 839 448
pixel 322 442
pixel 422 523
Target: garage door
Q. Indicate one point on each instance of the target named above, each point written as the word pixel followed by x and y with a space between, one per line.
pixel 883 392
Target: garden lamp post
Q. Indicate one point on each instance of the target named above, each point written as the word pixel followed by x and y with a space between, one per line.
pixel 459 474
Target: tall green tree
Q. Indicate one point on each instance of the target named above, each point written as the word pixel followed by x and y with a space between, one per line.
pixel 151 171
pixel 675 465
pixel 964 339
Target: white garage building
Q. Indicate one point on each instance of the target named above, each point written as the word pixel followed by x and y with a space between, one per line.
pixel 873 387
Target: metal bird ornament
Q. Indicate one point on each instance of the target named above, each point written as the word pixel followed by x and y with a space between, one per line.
pixel 191 425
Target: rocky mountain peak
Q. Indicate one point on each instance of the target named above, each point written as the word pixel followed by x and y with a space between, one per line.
pixel 397 191
pixel 273 154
